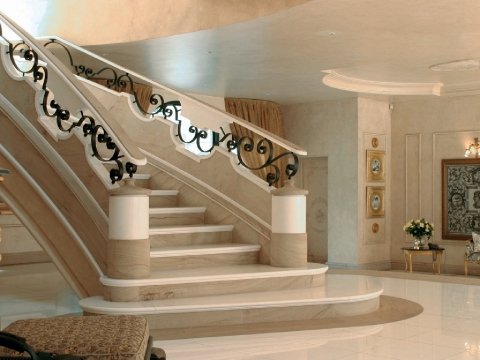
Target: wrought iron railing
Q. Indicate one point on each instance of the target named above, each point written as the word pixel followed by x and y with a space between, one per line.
pixel 260 142
pixel 29 60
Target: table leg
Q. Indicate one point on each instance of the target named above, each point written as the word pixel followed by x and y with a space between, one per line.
pixel 410 257
pixel 406 261
pixel 434 261
pixel 440 262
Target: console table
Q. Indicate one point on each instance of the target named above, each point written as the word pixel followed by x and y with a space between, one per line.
pixel 436 254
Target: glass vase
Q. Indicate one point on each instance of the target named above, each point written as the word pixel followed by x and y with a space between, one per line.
pixel 418 243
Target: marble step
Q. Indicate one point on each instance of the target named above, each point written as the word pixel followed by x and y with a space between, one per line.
pixel 177 215
pixel 163 198
pixel 141 180
pixel 340 297
pixel 190 235
pixel 216 280
pixel 183 257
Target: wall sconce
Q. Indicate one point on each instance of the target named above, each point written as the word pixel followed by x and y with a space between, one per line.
pixel 473 149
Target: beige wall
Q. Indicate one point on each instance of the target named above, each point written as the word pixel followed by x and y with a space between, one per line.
pixel 330 129
pixel 373 121
pixel 17 246
pixel 313 177
pixel 425 131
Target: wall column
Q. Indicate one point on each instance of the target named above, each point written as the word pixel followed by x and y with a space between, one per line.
pixel 128 250
pixel 288 246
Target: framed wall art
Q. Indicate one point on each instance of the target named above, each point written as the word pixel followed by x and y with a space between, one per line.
pixel 375 201
pixel 460 198
pixel 375 165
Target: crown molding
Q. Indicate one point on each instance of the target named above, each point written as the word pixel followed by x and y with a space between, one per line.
pixel 470 88
pixel 338 81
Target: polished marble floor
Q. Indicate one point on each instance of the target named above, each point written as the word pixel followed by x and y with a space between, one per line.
pixel 449 327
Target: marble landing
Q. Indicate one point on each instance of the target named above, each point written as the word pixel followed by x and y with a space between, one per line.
pixel 447 329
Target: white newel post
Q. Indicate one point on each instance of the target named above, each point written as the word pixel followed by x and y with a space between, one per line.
pixel 289 238
pixel 128 250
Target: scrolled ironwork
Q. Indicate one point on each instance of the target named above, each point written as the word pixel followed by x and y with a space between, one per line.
pixel 114 80
pixel 20 50
pixel 263 146
pixel 51 108
pixel 240 146
pixel 243 145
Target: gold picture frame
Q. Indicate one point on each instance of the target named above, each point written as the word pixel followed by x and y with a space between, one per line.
pixel 460 198
pixel 375 165
pixel 375 201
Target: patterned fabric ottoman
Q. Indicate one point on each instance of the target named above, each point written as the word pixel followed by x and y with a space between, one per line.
pixel 122 337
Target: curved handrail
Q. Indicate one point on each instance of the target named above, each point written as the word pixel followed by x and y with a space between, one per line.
pixel 107 131
pixel 228 117
pixel 264 143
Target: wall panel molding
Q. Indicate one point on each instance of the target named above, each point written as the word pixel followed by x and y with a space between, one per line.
pixel 413 175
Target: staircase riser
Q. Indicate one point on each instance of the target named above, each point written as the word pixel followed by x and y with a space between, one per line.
pixel 163 201
pixel 185 262
pixel 197 238
pixel 177 219
pixel 230 322
pixel 143 183
pixel 229 287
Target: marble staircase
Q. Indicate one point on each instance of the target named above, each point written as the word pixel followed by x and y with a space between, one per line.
pixel 201 281
pixel 205 259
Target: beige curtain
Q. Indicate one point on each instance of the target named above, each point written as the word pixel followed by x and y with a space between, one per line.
pixel 267 115
pixel 143 92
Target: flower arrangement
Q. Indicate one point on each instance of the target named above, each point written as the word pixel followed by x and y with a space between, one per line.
pixel 419 228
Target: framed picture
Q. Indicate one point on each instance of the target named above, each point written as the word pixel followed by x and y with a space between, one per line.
pixel 460 198
pixel 375 165
pixel 375 201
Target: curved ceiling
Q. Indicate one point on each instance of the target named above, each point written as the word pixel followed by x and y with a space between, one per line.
pixel 374 46
pixel 88 22
pixel 291 55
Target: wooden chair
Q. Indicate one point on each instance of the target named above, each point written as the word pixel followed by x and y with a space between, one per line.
pixel 472 254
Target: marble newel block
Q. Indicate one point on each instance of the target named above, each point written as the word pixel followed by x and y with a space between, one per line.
pixel 128 248
pixel 288 246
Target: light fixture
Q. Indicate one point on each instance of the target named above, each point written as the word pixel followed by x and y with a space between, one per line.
pixel 473 150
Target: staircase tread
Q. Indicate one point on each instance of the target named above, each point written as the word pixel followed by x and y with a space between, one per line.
pixel 166 229
pixel 216 273
pixel 202 249
pixel 337 289
pixel 158 192
pixel 138 176
pixel 177 210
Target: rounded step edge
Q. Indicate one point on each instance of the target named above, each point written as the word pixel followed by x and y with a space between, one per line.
pixel 141 176
pixel 198 250
pixel 347 289
pixel 164 192
pixel 177 210
pixel 188 229
pixel 217 274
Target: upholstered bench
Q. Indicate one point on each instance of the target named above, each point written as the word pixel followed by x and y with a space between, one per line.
pixel 122 337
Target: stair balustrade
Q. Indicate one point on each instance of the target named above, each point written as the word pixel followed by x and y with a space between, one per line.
pixel 260 143
pixel 107 143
